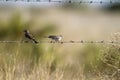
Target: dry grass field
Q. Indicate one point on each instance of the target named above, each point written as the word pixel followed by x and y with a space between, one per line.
pixel 54 61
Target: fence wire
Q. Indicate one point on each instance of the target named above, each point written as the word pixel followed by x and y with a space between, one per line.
pixel 62 42
pixel 65 1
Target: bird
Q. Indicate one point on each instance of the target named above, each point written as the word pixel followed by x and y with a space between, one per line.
pixel 29 36
pixel 55 38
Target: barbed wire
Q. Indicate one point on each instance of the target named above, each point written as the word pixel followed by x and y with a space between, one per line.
pixel 71 41
pixel 65 1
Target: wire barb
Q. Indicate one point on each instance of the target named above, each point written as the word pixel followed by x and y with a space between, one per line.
pixel 71 41
pixel 63 1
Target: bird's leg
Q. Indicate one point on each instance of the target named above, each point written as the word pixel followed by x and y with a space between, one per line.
pixel 61 42
pixel 27 40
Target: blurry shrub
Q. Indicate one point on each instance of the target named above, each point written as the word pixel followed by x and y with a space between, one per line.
pixel 102 59
pixel 13 28
pixel 114 7
pixel 90 58
pixel 111 61
pixel 111 58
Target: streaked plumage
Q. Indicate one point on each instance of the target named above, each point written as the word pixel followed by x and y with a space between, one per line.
pixel 29 36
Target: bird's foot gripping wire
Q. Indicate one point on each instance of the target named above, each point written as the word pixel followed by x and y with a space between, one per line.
pixel 61 42
pixel 53 41
pixel 28 41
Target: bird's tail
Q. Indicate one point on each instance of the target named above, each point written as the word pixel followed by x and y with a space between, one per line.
pixel 35 41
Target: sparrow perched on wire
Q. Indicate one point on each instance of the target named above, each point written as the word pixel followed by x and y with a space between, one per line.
pixel 29 36
pixel 55 37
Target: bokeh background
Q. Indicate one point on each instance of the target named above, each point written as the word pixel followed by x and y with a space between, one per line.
pixel 54 61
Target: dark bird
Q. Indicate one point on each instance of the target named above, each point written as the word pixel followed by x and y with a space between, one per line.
pixel 29 36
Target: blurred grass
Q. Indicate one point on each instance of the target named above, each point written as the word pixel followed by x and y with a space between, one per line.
pixel 29 61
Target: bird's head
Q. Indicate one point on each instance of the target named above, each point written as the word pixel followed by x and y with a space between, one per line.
pixel 61 36
pixel 26 31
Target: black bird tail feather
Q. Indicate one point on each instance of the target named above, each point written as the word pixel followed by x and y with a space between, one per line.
pixel 34 41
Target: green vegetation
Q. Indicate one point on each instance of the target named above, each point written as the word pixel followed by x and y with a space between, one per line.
pixel 28 61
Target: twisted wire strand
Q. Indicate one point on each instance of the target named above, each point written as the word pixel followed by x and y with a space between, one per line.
pixel 71 41
pixel 69 1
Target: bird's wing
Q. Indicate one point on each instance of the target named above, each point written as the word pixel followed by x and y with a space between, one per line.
pixel 31 36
